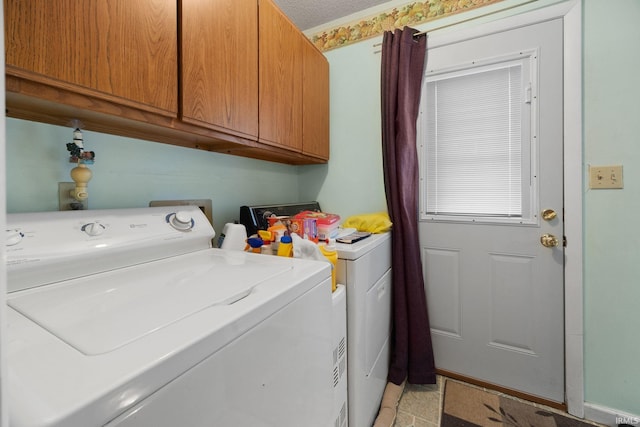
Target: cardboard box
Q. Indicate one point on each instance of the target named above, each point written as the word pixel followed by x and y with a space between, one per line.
pixel 326 223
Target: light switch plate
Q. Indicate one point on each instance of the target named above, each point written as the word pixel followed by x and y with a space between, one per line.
pixel 605 177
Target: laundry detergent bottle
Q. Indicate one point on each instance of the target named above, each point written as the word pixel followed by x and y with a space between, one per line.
pixel 285 248
pixel 330 252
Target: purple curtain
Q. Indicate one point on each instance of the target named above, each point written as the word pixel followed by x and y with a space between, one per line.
pixel 402 68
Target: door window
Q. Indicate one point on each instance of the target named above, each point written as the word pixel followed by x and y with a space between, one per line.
pixel 476 141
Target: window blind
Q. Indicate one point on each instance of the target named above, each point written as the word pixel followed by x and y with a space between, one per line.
pixel 474 142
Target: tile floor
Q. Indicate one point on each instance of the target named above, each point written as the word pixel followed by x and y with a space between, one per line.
pixel 421 405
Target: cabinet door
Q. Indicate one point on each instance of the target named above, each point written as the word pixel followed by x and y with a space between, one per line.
pixel 120 50
pixel 315 92
pixel 280 52
pixel 220 65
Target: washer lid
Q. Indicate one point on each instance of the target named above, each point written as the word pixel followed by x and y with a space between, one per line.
pixel 100 313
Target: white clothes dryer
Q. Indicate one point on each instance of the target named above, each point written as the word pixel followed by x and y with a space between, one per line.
pixel 364 268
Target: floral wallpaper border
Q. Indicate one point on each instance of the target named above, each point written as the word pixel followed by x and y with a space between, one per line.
pixel 410 14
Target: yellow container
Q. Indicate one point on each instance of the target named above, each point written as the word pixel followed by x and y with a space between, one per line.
pixel 285 248
pixel 330 252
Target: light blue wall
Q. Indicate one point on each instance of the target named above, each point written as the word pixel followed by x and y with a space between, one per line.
pixel 612 234
pixel 130 173
pixel 352 182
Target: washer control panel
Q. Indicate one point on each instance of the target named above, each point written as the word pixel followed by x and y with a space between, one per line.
pixel 13 237
pixel 93 228
pixel 45 247
pixel 180 220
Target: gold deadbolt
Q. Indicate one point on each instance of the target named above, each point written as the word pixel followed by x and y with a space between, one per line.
pixel 549 240
pixel 549 214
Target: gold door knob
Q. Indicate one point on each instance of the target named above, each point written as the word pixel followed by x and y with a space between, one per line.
pixel 549 240
pixel 549 214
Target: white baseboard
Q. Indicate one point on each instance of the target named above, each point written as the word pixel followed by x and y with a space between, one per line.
pixel 609 416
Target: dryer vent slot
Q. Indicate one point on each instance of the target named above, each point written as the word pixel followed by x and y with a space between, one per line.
pixel 339 361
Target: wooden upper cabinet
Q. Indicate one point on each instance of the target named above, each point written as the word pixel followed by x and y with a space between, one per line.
pixel 280 79
pixel 122 51
pixel 232 76
pixel 220 65
pixel 315 125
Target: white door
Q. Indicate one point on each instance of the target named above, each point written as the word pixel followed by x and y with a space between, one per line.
pixel 491 144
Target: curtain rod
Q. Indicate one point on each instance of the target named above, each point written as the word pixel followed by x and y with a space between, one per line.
pixel 421 33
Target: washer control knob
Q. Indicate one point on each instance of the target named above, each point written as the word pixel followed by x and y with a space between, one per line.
pixel 13 237
pixel 93 228
pixel 181 220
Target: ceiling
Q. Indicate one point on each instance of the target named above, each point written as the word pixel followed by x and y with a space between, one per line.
pixel 312 13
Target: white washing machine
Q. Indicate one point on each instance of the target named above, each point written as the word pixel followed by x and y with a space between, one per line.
pixel 129 318
pixel 365 269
